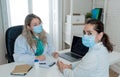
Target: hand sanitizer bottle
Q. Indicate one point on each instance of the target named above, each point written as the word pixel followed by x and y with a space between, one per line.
pixel 36 64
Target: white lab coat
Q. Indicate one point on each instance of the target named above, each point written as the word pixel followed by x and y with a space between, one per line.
pixel 23 53
pixel 94 64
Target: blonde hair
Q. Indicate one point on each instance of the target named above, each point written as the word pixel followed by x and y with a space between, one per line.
pixel 28 34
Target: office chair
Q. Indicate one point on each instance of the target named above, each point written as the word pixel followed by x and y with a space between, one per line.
pixel 11 34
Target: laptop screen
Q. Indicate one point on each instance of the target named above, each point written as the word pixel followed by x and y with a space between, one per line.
pixel 78 47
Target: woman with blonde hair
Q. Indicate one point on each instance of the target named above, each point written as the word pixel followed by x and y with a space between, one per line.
pixel 34 42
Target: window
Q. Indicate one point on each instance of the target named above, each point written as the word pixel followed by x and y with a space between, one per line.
pixel 18 11
pixel 20 8
pixel 41 8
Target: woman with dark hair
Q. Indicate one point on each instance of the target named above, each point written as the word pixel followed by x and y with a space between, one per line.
pixel 95 63
pixel 34 42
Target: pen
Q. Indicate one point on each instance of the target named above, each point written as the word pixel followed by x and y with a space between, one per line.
pixel 42 63
pixel 52 64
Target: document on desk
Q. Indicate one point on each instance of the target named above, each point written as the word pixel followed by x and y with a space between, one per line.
pixel 46 64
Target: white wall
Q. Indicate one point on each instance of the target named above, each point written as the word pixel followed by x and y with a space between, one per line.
pixel 76 6
pixel 81 6
pixel 113 27
pixel 113 22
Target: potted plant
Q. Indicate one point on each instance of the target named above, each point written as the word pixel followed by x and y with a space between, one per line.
pixel 88 16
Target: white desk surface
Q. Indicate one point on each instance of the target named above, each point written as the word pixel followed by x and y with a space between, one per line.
pixel 5 69
pixel 42 72
pixel 53 71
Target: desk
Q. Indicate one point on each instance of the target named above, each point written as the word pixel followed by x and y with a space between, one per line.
pixel 43 72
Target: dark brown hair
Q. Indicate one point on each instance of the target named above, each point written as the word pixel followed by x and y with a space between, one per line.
pixel 99 27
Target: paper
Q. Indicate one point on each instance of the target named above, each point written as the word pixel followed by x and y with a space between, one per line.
pixel 46 64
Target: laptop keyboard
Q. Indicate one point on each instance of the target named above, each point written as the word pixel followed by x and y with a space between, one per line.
pixel 73 55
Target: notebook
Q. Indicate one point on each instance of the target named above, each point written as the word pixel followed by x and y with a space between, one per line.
pixel 78 50
pixel 21 69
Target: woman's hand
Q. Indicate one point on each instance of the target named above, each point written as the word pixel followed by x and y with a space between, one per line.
pixel 55 54
pixel 63 66
pixel 42 57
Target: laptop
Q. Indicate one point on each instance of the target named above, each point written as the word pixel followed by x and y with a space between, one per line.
pixel 78 50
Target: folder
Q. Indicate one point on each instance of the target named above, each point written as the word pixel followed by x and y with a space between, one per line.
pixel 97 13
pixel 21 69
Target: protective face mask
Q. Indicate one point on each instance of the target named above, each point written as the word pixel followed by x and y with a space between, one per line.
pixel 37 29
pixel 88 40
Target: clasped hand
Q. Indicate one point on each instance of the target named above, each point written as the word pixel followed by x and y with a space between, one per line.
pixel 63 66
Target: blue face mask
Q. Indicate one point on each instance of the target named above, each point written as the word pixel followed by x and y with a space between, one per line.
pixel 88 40
pixel 37 29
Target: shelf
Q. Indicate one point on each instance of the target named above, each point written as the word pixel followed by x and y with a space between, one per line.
pixel 75 16
pixel 72 30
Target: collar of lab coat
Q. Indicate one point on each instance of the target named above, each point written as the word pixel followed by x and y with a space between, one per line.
pixel 96 46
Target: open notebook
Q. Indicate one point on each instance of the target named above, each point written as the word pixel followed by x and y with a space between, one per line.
pixel 21 69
